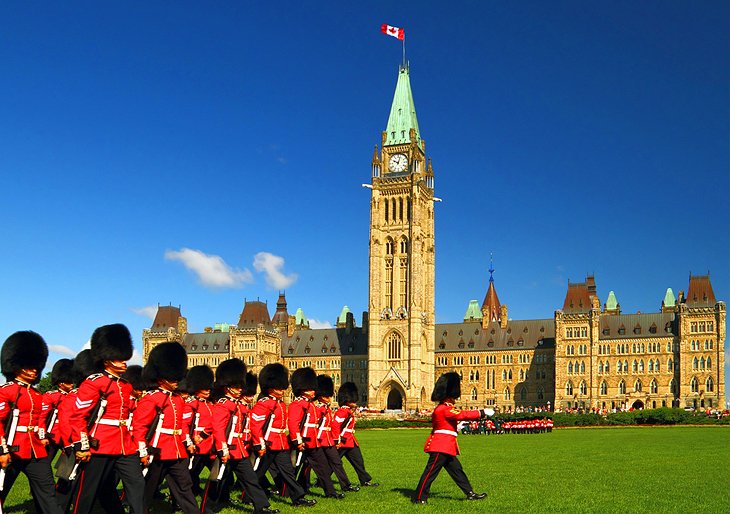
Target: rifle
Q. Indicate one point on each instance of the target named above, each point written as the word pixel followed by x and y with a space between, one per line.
pixel 153 433
pixel 343 427
pixel 193 426
pixel 11 427
pixel 321 426
pixel 303 429
pixel 267 433
pixel 52 422
pixel 229 443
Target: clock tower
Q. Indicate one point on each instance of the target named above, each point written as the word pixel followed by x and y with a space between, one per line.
pixel 402 258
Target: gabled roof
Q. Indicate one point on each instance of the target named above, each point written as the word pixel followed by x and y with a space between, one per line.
pixel 632 326
pixel 325 341
pixel 165 318
pixel 402 112
pixel 518 335
pixel 253 314
pixel 207 342
pixel 700 293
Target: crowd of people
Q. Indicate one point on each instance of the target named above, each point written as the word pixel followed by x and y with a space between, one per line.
pixel 523 426
pixel 109 423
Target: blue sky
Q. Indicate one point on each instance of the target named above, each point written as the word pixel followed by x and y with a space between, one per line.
pixel 141 141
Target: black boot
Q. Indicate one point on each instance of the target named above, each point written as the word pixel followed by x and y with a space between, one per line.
pixel 476 496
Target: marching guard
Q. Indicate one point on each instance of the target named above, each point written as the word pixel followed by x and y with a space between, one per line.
pixel 62 378
pixel 268 431
pixel 441 445
pixel 198 384
pixel 22 441
pixel 160 431
pixel 229 420
pixel 303 420
pixel 327 435
pixel 349 447
pixel 102 440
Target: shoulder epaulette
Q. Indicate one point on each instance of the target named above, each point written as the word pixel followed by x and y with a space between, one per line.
pixel 147 393
pixel 8 384
pixel 222 400
pixel 189 399
pixel 95 376
pixel 263 399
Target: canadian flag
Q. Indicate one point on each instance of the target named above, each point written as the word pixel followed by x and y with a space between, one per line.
pixel 393 31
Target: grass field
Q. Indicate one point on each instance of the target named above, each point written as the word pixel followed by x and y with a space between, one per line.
pixel 636 469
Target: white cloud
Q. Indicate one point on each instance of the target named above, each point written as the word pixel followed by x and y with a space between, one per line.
pixel 87 345
pixel 271 265
pixel 148 312
pixel 313 323
pixel 63 350
pixel 212 270
pixel 136 359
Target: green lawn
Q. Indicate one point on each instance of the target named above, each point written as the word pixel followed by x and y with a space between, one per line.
pixel 665 469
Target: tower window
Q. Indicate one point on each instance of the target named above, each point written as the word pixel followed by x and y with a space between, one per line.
pixel 394 343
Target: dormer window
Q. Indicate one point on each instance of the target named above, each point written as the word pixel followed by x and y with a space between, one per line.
pixel 606 331
pixel 637 329
pixel 490 344
pixel 622 330
pixel 442 345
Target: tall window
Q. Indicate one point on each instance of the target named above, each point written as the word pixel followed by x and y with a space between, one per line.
pixel 653 387
pixel 673 386
pixel 389 283
pixel 604 388
pixel 670 365
pixel 569 388
pixel 709 385
pixel 403 282
pixel 583 388
pixel 622 387
pixel 474 393
pixel 694 385
pixel 395 344
pixel 637 386
pixel 507 394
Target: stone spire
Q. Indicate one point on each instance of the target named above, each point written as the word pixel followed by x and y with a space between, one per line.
pixel 491 310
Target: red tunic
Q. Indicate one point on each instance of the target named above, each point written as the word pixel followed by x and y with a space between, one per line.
pixel 30 404
pixel 112 432
pixel 303 430
pixel 223 411
pixel 325 434
pixel 202 411
pixel 63 426
pixel 174 438
pixel 51 401
pixel 345 423
pixel 268 405
pixel 444 419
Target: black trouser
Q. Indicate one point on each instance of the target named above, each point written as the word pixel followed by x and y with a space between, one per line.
pixel 436 461
pixel 199 462
pixel 314 459
pixel 40 478
pixel 280 460
pixel 178 480
pixel 99 471
pixel 335 462
pixel 243 470
pixel 354 455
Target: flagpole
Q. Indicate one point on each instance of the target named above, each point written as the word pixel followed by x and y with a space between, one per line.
pixel 404 50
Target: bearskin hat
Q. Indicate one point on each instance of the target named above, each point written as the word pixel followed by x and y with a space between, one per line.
pixel 23 350
pixel 325 386
pixel 166 361
pixel 274 376
pixel 133 375
pixel 448 385
pixel 303 379
pixel 111 343
pixel 63 371
pixel 347 393
pixel 252 384
pixel 199 378
pixel 230 373
pixel 84 365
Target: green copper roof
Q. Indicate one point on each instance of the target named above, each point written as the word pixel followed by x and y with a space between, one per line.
pixel 402 113
pixel 342 318
pixel 473 311
pixel 669 299
pixel 300 318
pixel 222 327
pixel 611 302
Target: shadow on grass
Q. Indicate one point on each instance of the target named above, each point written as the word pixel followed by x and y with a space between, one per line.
pixel 27 506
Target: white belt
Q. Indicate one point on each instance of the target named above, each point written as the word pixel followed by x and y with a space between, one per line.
pixel 26 429
pixel 199 429
pixel 326 429
pixel 113 422
pixel 310 425
pixel 277 430
pixel 171 431
pixel 446 432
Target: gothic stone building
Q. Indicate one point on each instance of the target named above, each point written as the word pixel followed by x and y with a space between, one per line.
pixel 584 356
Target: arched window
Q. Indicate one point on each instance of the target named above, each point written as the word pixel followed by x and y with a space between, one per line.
pixel 604 388
pixel 394 346
pixel 509 375
pixel 600 366
pixel 582 367
pixel 653 387
pixel 476 375
pixel 570 368
pixel 709 385
pixel 583 388
pixel 504 374
pixel 651 365
pixel 709 362
pixel 474 393
pixel 673 386
pixel 507 394
pixel 694 385
pixel 641 366
pixel 637 386
pixel 619 367
pixel 670 365
pixel 702 363
pixel 634 366
pixel 656 366
pixel 626 365
pixel 569 388
pixel 606 370
pixel 471 375
pixel 695 363
pixel 622 387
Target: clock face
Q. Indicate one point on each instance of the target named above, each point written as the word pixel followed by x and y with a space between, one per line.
pixel 398 162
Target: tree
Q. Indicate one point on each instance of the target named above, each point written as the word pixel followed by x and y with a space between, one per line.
pixel 45 383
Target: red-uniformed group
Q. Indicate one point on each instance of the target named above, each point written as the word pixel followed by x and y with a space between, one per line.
pixel 109 423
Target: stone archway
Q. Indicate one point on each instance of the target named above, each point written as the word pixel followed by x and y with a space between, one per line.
pixel 637 405
pixel 395 400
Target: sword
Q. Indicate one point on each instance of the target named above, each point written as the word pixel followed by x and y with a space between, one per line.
pixel 229 442
pixel 266 438
pixel 304 438
pixel 194 426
